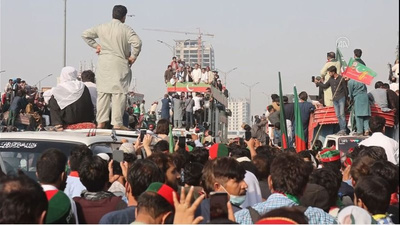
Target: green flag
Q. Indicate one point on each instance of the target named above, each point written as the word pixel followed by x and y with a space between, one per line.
pixel 300 139
pixel 284 137
pixel 171 140
pixel 339 57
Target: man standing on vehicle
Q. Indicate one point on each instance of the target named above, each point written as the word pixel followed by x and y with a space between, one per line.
pixel 324 74
pixel 339 89
pixel 119 49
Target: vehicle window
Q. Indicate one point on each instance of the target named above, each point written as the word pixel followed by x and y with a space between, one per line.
pixel 23 155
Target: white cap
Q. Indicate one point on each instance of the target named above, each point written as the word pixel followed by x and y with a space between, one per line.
pixel 394 87
pixel 104 156
pixel 127 148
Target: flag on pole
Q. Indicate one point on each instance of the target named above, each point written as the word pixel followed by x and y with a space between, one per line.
pixel 359 72
pixel 171 140
pixel 300 139
pixel 339 57
pixel 284 137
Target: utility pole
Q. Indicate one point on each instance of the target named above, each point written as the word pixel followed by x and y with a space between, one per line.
pixel 65 34
pixel 250 87
pixel 225 74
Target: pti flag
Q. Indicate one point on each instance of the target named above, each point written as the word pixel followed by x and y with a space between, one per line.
pixel 284 137
pixel 300 139
pixel 359 72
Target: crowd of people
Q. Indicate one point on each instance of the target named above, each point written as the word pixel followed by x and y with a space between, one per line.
pixel 262 184
pixel 196 180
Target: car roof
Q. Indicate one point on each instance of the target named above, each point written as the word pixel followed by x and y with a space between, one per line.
pixel 81 136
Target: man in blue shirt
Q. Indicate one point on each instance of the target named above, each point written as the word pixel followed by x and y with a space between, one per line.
pixel 287 181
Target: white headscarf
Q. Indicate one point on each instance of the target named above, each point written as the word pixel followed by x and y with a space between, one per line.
pixel 69 90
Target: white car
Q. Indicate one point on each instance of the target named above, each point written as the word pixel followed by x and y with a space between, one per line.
pixel 21 150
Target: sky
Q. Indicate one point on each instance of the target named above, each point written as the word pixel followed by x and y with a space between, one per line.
pixel 259 37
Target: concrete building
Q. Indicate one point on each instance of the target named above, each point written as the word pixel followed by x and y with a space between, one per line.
pixel 240 113
pixel 188 49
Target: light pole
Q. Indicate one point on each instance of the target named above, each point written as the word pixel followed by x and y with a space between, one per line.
pixel 39 82
pixel 2 71
pixel 250 87
pixel 65 34
pixel 169 46
pixel 226 73
pixel 268 97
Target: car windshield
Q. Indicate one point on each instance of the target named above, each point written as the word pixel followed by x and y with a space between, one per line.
pixel 23 155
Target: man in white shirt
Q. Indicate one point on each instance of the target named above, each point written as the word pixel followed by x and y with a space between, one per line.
pixel 196 74
pixel 377 126
pixel 204 76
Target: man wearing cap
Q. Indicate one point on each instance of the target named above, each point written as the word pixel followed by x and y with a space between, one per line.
pixel 155 205
pixel 331 61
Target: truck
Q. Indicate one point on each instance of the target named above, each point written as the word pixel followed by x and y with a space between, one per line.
pixel 216 111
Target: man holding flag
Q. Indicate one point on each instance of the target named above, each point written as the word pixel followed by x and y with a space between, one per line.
pixel 331 61
pixel 339 93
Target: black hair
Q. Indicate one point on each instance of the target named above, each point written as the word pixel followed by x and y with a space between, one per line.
pixel 119 12
pixel 377 123
pixel 332 69
pixel 305 154
pixel 249 166
pixel 289 174
pixel 331 55
pixel 88 75
pixel 285 99
pixel 388 171
pixel 240 152
pixel 93 173
pixel 199 155
pixel 141 174
pixel 221 169
pixel 192 172
pixel 374 152
pixel 386 86
pixel 181 158
pixel 357 53
pixel 77 155
pixel 378 84
pixel 130 158
pixel 154 204
pixel 274 97
pixel 163 161
pixel 262 163
pixel 375 194
pixel 50 166
pixel 161 146
pixel 22 200
pixel 303 96
pixel 361 167
pixel 162 126
pixel 330 180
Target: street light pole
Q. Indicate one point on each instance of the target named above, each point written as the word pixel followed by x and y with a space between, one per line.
pixel 169 46
pixel 39 82
pixel 226 73
pixel 250 87
pixel 65 34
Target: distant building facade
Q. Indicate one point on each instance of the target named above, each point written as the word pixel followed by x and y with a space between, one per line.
pixel 240 109
pixel 188 51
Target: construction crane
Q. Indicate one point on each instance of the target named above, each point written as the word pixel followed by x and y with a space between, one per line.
pixel 199 41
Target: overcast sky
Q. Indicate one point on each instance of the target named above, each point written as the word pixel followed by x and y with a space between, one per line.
pixel 259 37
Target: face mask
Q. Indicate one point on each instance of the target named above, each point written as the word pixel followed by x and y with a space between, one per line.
pixel 235 199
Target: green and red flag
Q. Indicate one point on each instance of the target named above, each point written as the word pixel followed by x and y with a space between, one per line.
pixel 284 137
pixel 339 57
pixel 359 72
pixel 171 140
pixel 300 139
